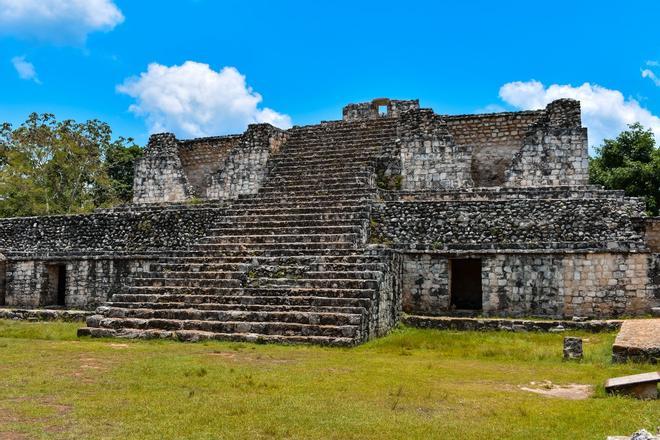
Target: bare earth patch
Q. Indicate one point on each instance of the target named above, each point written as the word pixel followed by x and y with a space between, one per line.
pixel 572 391
pixel 10 415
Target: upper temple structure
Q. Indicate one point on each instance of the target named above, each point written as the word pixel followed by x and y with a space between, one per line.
pixel 328 233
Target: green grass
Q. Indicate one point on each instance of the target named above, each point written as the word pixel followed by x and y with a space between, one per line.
pixel 412 384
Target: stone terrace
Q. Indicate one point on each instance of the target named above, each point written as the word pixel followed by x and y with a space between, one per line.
pixel 287 264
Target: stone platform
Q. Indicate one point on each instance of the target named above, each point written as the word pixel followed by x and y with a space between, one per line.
pixel 44 314
pixel 508 324
pixel 638 340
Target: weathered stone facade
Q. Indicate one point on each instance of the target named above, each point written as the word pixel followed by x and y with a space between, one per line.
pixel 327 233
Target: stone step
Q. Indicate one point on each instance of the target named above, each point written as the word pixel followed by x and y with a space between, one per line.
pixel 263 272
pixel 357 258
pixel 312 307
pixel 195 336
pixel 201 275
pixel 313 177
pixel 271 186
pixel 185 282
pixel 316 283
pixel 281 203
pixel 266 291
pixel 283 228
pixel 284 265
pixel 195 301
pixel 312 190
pixel 365 193
pixel 280 248
pixel 324 171
pixel 262 328
pixel 314 318
pixel 303 155
pixel 268 211
pixel 252 251
pixel 306 217
pixel 280 238
pixel 355 162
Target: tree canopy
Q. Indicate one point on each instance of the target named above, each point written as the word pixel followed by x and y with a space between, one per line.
pixel 63 167
pixel 630 162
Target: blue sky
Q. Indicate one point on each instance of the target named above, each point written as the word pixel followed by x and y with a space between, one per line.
pixel 308 59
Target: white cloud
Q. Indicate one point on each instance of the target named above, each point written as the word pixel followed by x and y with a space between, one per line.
pixel 59 21
pixel 194 100
pixel 648 73
pixel 25 69
pixel 653 63
pixel 605 112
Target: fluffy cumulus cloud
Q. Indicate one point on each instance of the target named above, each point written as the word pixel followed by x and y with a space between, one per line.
pixel 193 100
pixel 59 21
pixel 25 69
pixel 605 112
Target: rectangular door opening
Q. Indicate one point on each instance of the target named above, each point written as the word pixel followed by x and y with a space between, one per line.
pixel 56 285
pixel 465 283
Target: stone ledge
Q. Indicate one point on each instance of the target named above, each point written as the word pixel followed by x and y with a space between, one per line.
pixel 489 324
pixel 45 314
pixel 638 341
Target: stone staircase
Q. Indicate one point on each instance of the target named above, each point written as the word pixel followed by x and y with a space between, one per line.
pixel 287 264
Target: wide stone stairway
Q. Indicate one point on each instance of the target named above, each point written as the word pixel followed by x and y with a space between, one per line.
pixel 287 264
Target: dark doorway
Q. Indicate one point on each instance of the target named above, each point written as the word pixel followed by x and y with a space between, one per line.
pixel 465 288
pixel 61 285
pixel 56 285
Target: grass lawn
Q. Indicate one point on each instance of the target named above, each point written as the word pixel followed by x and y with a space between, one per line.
pixel 412 384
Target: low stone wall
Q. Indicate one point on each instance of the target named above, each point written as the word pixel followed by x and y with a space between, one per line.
pixel 44 315
pixel 520 325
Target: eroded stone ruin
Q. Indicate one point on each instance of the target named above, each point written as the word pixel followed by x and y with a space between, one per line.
pixel 326 233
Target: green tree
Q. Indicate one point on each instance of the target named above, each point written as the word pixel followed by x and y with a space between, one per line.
pixel 630 162
pixel 51 167
pixel 120 164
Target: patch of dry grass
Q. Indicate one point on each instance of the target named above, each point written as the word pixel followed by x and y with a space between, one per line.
pixel 412 384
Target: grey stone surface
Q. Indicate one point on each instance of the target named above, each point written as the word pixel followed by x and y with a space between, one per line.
pixel 572 348
pixel 326 233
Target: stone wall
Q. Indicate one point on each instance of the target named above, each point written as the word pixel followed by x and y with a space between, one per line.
pixel 159 175
pixel 245 167
pixel 120 230
pixel 595 285
pixel 370 110
pixel 3 279
pixel 554 150
pixel 533 223
pixel 652 233
pixel 89 282
pixel 425 284
pixel 493 139
pixel 387 305
pixel 201 158
pixel 546 285
pixel 430 159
